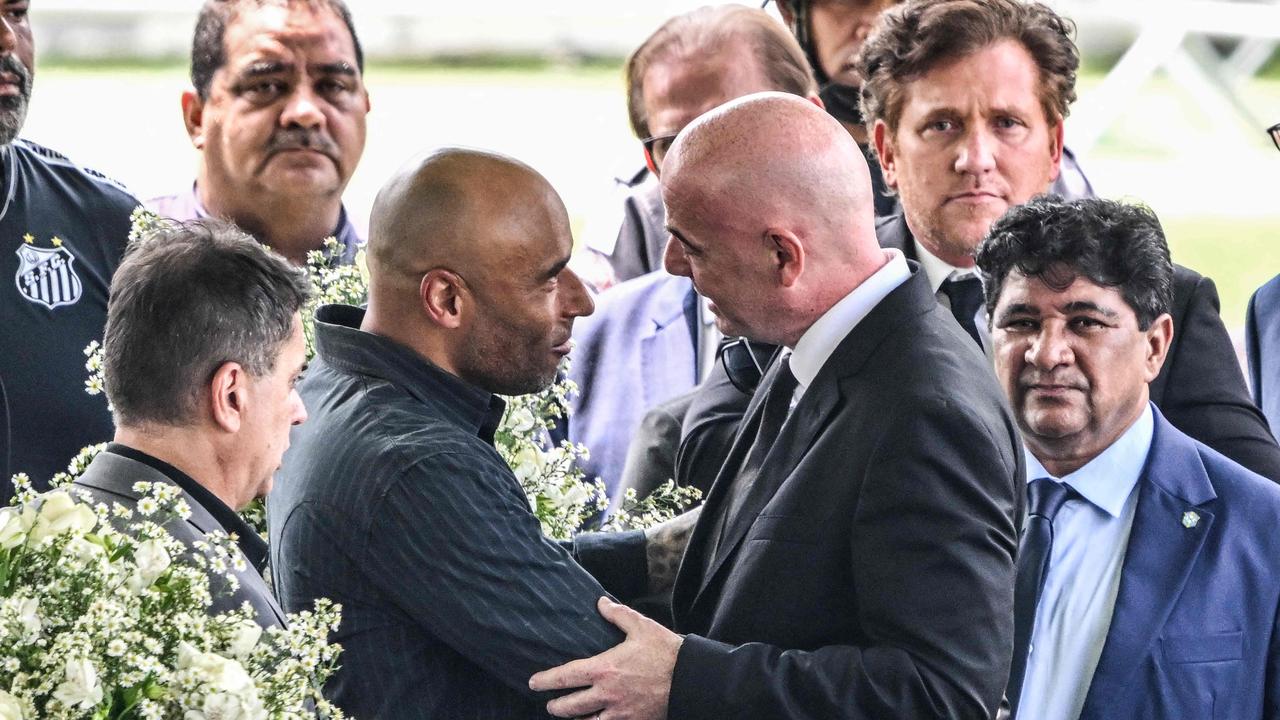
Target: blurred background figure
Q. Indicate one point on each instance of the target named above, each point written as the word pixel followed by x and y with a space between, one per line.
pixel 652 338
pixel 1262 333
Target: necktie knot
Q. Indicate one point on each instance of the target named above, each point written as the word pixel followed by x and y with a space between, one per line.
pixel 965 295
pixel 1046 497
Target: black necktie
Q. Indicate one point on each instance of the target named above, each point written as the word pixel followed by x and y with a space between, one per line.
pixel 1045 497
pixel 777 404
pixel 966 297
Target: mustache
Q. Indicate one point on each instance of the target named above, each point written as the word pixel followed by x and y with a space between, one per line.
pixel 1031 377
pixel 11 65
pixel 300 138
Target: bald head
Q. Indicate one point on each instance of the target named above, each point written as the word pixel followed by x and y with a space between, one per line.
pixel 456 208
pixel 467 265
pixel 774 179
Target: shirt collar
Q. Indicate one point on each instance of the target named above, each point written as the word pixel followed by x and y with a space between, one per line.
pixel 705 316
pixel 342 344
pixel 248 539
pixel 1108 479
pixel 823 336
pixel 936 269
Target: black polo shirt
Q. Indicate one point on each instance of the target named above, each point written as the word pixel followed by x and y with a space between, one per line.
pixel 63 229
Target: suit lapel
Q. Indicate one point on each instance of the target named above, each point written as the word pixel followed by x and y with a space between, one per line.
pixel 117 475
pixel 807 419
pixel 1161 554
pixel 667 357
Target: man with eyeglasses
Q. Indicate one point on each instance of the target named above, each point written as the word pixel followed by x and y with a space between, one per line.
pixel 652 339
pixel 1262 338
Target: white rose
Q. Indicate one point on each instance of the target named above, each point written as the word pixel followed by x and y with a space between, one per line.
pixel 230 706
pixel 60 514
pixel 27 612
pixel 152 560
pixel 13 531
pixel 244 638
pixel 10 708
pixel 521 421
pixel 85 551
pixel 528 463
pixel 81 688
pixel 575 495
pixel 223 674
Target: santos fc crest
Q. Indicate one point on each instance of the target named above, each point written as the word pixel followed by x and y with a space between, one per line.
pixel 47 275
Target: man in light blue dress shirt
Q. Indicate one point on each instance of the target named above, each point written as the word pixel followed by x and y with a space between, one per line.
pixel 1149 567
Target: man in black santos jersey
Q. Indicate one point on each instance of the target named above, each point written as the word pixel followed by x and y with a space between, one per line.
pixel 63 229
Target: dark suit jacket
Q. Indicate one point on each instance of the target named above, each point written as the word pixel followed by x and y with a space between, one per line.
pixel 1200 389
pixel 869 573
pixel 1194 633
pixel 709 426
pixel 1262 338
pixel 109 479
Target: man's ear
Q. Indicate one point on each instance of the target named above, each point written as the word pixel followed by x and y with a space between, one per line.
pixel 228 396
pixel 193 117
pixel 1159 335
pixel 1055 150
pixel 444 298
pixel 885 154
pixel 816 100
pixel 788 256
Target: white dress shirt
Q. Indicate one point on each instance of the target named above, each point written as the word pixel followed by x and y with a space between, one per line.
pixel 821 339
pixel 709 337
pixel 1090 536
pixel 938 270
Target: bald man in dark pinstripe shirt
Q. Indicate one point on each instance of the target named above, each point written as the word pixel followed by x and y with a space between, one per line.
pixel 393 500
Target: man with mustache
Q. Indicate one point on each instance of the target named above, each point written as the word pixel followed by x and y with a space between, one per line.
pixel 1147 570
pixel 277 111
pixel 63 230
pixel 965 102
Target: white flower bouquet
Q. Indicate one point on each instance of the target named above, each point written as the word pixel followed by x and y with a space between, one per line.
pixel 105 616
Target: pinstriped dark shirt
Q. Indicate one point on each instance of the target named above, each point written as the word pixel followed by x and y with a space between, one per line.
pixel 393 502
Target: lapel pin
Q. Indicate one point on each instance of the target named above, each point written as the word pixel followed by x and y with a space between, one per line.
pixel 1190 519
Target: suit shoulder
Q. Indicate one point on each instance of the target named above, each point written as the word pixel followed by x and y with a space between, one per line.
pixel 1243 491
pixel 1267 297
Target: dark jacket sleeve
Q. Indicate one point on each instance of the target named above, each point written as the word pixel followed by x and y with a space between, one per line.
pixel 651 457
pixel 931 554
pixel 467 560
pixel 1201 390
pixel 710 426
pixel 1253 349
